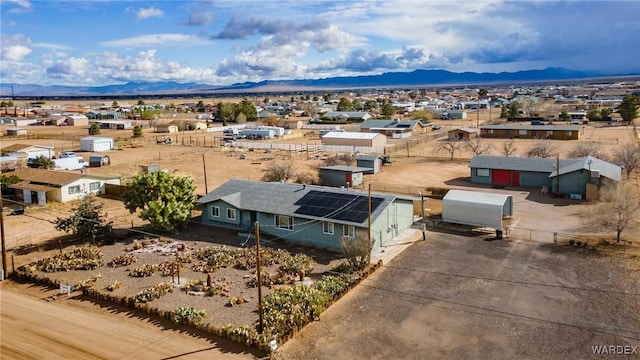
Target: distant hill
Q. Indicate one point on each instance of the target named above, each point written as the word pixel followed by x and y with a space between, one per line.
pixel 392 79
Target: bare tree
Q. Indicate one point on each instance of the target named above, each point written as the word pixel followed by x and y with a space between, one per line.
pixel 585 149
pixel 509 148
pixel 341 159
pixel 542 149
pixel 618 210
pixel 279 171
pixel 628 155
pixel 449 145
pixel 478 146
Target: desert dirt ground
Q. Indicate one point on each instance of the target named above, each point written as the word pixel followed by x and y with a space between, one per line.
pixel 420 168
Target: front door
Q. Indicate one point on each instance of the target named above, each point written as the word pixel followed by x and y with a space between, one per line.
pixel 515 178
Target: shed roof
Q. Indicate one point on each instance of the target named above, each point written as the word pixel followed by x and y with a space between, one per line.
pixel 350 135
pixel 533 127
pixel 58 178
pixel 608 170
pixel 96 138
pixel 282 198
pixel 367 157
pixel 476 197
pixel 23 147
pixel 344 168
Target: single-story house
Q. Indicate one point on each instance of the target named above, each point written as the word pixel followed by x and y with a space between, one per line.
pixel 463 133
pixel 476 208
pixel 354 139
pixel 104 115
pixel 31 151
pixel 310 215
pixel 112 124
pixel 77 120
pixel 167 128
pixel 578 178
pixel 553 132
pixel 341 175
pixel 293 124
pixel 16 131
pixel 395 128
pixel 96 144
pixel 371 162
pixel 346 116
pixel 37 186
pixel 455 114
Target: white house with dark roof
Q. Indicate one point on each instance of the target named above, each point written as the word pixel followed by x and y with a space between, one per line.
pixel 578 177
pixel 39 186
pixel 395 128
pixel 345 116
pixel 310 215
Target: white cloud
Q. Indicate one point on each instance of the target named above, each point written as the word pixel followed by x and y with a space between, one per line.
pixel 23 5
pixel 147 13
pixel 15 52
pixel 155 40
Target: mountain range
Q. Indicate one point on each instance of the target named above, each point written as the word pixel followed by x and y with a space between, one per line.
pixel 416 78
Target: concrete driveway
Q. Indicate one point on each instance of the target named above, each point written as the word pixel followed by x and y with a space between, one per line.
pixel 459 297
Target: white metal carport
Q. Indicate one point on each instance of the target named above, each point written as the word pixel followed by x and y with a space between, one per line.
pixel 476 208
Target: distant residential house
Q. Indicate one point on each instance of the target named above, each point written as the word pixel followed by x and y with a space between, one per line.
pixel 354 139
pixel 371 162
pixel 77 120
pixel 16 131
pixel 310 215
pixel 395 128
pixel 28 151
pixel 346 116
pixel 583 176
pixel 463 133
pixel 293 124
pixel 104 115
pixel 553 132
pixel 38 186
pixel 167 128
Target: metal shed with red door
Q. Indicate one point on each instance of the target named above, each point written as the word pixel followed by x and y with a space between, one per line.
pixel 340 175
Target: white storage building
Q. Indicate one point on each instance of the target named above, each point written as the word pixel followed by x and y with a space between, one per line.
pixel 477 208
pixel 96 144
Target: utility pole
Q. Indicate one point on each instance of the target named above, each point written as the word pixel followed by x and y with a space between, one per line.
pixel 558 173
pixel 369 217
pixel 204 165
pixel 2 238
pixel 260 314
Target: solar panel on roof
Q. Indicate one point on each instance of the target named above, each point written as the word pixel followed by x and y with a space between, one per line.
pixel 338 206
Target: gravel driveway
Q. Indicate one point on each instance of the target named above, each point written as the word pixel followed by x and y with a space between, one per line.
pixel 457 297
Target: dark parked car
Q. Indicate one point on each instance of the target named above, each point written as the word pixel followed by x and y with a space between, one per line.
pixel 537 122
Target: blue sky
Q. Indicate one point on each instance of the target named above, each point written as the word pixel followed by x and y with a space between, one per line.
pixel 223 42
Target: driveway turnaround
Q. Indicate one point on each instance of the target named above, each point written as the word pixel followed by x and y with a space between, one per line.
pixel 458 297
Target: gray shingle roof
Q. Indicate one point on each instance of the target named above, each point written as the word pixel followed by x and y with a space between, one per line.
pixel 533 127
pixel 367 157
pixel 606 169
pixel 344 168
pixel 280 198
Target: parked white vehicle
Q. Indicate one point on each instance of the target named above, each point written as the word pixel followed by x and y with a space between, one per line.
pixel 70 163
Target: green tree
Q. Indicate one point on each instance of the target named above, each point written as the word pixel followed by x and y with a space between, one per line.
pixel 421 114
pixel 149 114
pixel 87 220
pixel 370 105
pixel 326 97
pixel 504 112
pixel 564 116
pixel 594 115
pixel 265 101
pixel 315 98
pixel 628 108
pixel 137 131
pixel 482 93
pixel 514 109
pixel 42 162
pixel 344 105
pixel 165 200
pixel 356 105
pixel 225 111
pixel 7 180
pixel 200 106
pixel 246 107
pixel 605 113
pixel 241 118
pixel 114 104
pixel 94 129
pixel 388 110
pixel 141 102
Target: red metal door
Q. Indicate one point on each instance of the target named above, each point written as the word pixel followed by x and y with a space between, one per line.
pixel 515 178
pixel 349 183
pixel 501 177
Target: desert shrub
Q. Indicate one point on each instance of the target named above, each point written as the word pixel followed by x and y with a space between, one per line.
pixel 85 258
pixel 114 285
pixel 437 192
pixel 332 284
pixel 281 317
pixel 296 264
pixel 88 283
pixel 122 260
pixel 153 293
pixel 188 315
pixel 168 267
pixel 237 300
pixel 144 270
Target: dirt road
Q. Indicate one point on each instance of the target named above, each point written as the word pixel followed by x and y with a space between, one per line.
pixel 37 324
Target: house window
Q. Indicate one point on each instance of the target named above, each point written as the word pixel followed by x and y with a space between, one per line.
pixel 215 211
pixel 522 132
pixel 94 185
pixel 550 133
pixel 327 228
pixel 482 172
pixel 569 133
pixel 490 131
pixel 231 214
pixel 74 189
pixel 284 222
pixel 349 231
